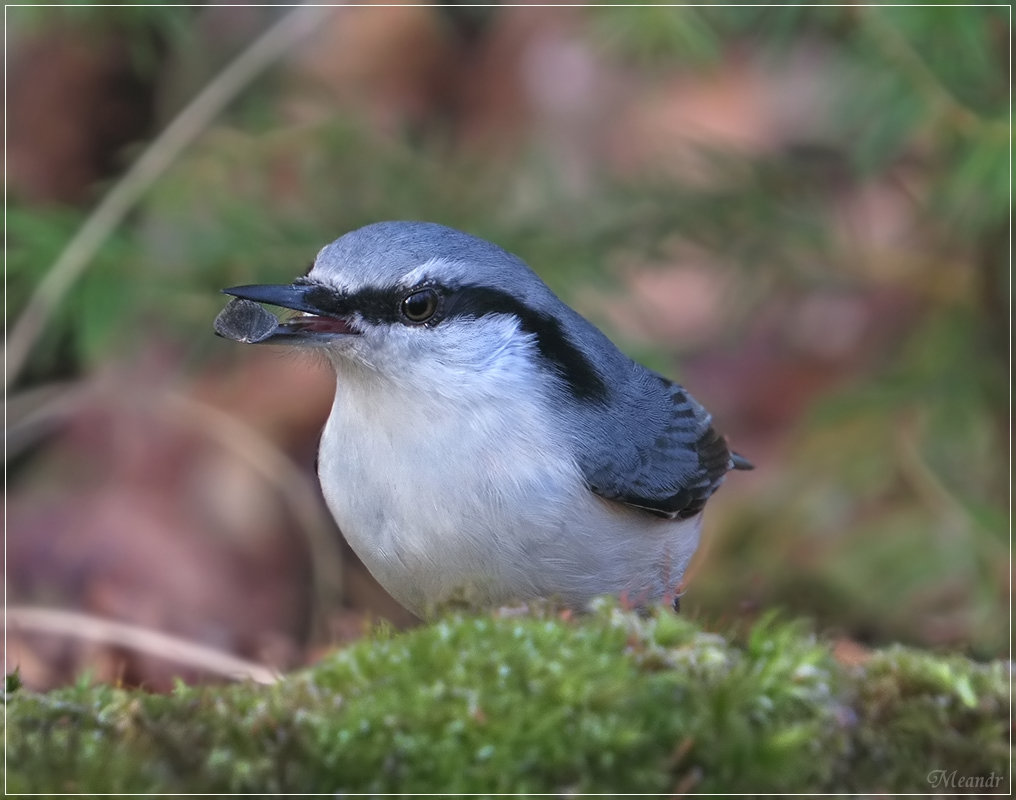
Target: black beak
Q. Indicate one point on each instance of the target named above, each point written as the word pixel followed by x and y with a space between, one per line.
pixel 243 320
pixel 295 296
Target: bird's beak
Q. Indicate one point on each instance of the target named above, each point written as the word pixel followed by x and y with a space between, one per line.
pixel 244 320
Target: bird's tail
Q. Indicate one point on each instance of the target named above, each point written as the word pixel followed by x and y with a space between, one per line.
pixel 737 461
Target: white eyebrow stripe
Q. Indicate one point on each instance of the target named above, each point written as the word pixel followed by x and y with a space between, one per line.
pixel 439 269
pixel 322 276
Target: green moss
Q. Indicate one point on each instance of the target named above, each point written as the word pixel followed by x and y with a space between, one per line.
pixel 611 703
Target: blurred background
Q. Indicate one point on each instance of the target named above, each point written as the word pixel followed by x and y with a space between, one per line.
pixel 802 214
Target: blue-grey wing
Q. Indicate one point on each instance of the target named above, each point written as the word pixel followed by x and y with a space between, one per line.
pixel 668 460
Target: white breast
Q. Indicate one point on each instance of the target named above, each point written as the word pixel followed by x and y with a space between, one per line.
pixel 459 492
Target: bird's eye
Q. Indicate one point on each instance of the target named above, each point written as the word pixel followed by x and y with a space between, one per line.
pixel 420 306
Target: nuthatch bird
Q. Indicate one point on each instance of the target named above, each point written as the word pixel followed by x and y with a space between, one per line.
pixel 484 436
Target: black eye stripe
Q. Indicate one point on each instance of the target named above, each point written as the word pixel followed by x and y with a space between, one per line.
pixel 382 306
pixel 557 349
pixel 373 305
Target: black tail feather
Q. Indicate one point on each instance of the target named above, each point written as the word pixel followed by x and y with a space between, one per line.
pixel 738 461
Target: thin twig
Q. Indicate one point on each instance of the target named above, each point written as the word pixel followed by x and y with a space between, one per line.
pixel 282 472
pixel 928 486
pixel 279 39
pixel 34 413
pixel 37 411
pixel 171 648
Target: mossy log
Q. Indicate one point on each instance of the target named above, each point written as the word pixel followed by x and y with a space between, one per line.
pixel 610 702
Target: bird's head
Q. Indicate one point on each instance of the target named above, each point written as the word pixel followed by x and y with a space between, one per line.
pixel 429 307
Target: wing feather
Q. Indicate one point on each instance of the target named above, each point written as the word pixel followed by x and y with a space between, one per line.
pixel 671 464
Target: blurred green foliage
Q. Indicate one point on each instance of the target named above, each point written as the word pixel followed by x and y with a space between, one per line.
pixel 145 29
pixel 890 518
pixel 614 702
